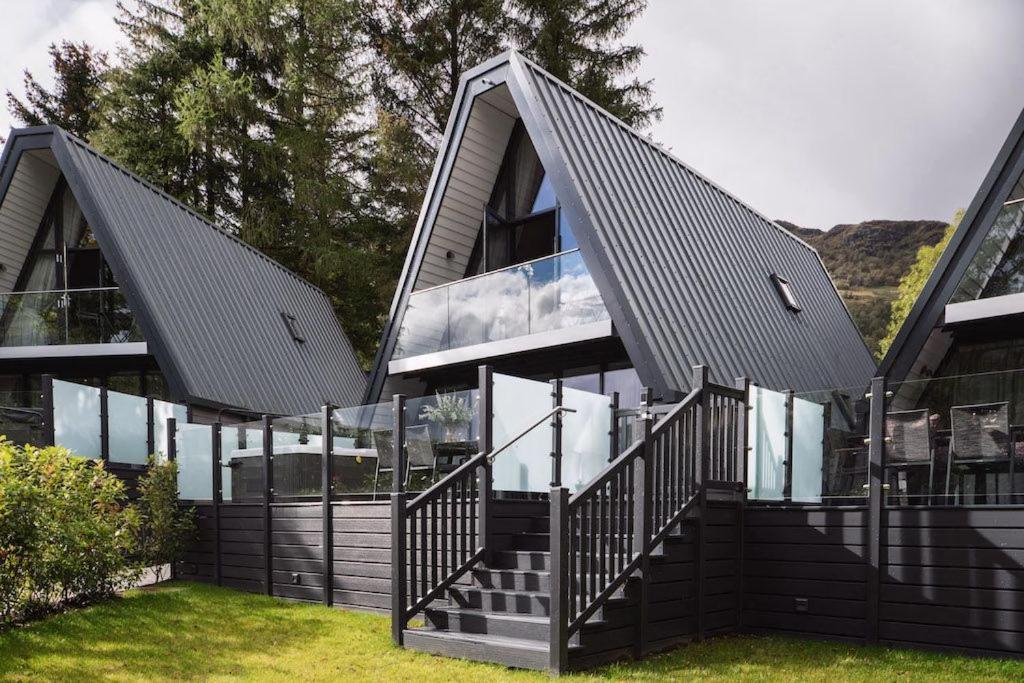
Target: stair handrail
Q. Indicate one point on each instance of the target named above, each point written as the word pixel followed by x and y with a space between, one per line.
pixel 433 583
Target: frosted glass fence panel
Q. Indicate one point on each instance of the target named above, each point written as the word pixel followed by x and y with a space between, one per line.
pixel 162 410
pixel 808 450
pixel 128 428
pixel 194 445
pixel 76 418
pixel 766 467
pixel 586 437
pixel 526 464
pixel 228 443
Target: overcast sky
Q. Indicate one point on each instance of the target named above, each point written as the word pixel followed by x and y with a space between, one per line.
pixel 816 111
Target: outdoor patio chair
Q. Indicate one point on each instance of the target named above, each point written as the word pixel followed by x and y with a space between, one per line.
pixel 384 444
pixel 980 442
pixel 420 451
pixel 847 471
pixel 908 450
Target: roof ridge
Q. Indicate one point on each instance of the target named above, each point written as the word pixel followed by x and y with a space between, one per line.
pixel 179 204
pixel 658 147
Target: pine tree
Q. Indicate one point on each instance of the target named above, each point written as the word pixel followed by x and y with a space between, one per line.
pixel 78 71
pixel 579 42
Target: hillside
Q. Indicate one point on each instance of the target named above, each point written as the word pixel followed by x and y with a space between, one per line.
pixel 866 260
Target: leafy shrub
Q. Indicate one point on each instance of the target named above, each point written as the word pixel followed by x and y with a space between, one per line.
pixel 66 532
pixel 165 527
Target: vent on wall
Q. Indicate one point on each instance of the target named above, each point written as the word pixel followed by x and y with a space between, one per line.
pixel 785 290
pixel 294 329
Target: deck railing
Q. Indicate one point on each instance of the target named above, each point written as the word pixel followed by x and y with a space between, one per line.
pixel 605 533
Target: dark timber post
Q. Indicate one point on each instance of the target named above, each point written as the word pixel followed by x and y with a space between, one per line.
pixel 48 426
pixel 700 380
pixel 484 471
pixel 876 449
pixel 150 427
pixel 326 489
pixel 399 584
pixel 643 483
pixel 172 439
pixel 104 426
pixel 558 646
pixel 268 492
pixel 742 449
pixel 556 434
pixel 613 435
pixel 218 497
pixel 787 485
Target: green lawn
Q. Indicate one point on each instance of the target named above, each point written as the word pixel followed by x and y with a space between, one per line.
pixel 191 632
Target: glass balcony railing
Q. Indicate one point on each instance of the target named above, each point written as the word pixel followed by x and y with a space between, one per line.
pixel 75 316
pixel 552 293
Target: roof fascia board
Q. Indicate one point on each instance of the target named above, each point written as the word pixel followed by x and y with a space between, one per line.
pixel 962 247
pixel 571 202
pixel 97 221
pixel 475 82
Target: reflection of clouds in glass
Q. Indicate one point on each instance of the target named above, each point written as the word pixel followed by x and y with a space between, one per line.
pixel 549 294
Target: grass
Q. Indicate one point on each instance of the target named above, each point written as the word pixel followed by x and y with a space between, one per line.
pixel 187 631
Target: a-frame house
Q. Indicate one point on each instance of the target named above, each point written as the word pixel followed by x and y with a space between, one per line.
pixel 556 242
pixel 109 281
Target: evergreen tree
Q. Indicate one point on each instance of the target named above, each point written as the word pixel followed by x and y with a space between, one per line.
pixel 78 72
pixel 913 282
pixel 579 42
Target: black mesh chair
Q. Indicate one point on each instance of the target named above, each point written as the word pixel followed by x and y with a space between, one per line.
pixel 420 449
pixel 846 472
pixel 909 450
pixel 385 447
pixel 980 443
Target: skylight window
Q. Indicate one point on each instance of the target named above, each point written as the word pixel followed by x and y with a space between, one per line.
pixel 785 289
pixel 294 329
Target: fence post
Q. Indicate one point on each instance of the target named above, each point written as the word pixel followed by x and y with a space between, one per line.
pixel 268 492
pixel 150 427
pixel 642 490
pixel 876 449
pixel 48 426
pixel 172 439
pixel 556 434
pixel 743 423
pixel 700 380
pixel 787 486
pixel 218 497
pixel 104 425
pixel 399 583
pixel 484 471
pixel 326 490
pixel 558 645
pixel 613 433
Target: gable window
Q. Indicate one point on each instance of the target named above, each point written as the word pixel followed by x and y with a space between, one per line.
pixel 785 290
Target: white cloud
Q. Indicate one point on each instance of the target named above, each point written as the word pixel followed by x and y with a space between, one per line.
pixel 30 28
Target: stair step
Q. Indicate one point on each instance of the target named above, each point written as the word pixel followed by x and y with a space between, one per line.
pixel 509 625
pixel 513 579
pixel 522 559
pixel 531 541
pixel 479 647
pixel 498 600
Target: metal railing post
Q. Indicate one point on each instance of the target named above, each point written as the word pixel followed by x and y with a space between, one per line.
pixel 150 427
pixel 218 498
pixel 742 428
pixel 172 439
pixel 398 523
pixel 787 486
pixel 326 490
pixel 558 645
pixel 104 425
pixel 484 471
pixel 268 493
pixel 876 450
pixel 47 401
pixel 556 434
pixel 643 483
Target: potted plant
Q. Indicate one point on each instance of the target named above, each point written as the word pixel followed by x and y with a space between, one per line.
pixel 451 413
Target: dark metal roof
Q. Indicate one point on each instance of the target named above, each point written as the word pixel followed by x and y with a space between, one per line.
pixel 963 245
pixel 684 268
pixel 210 306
